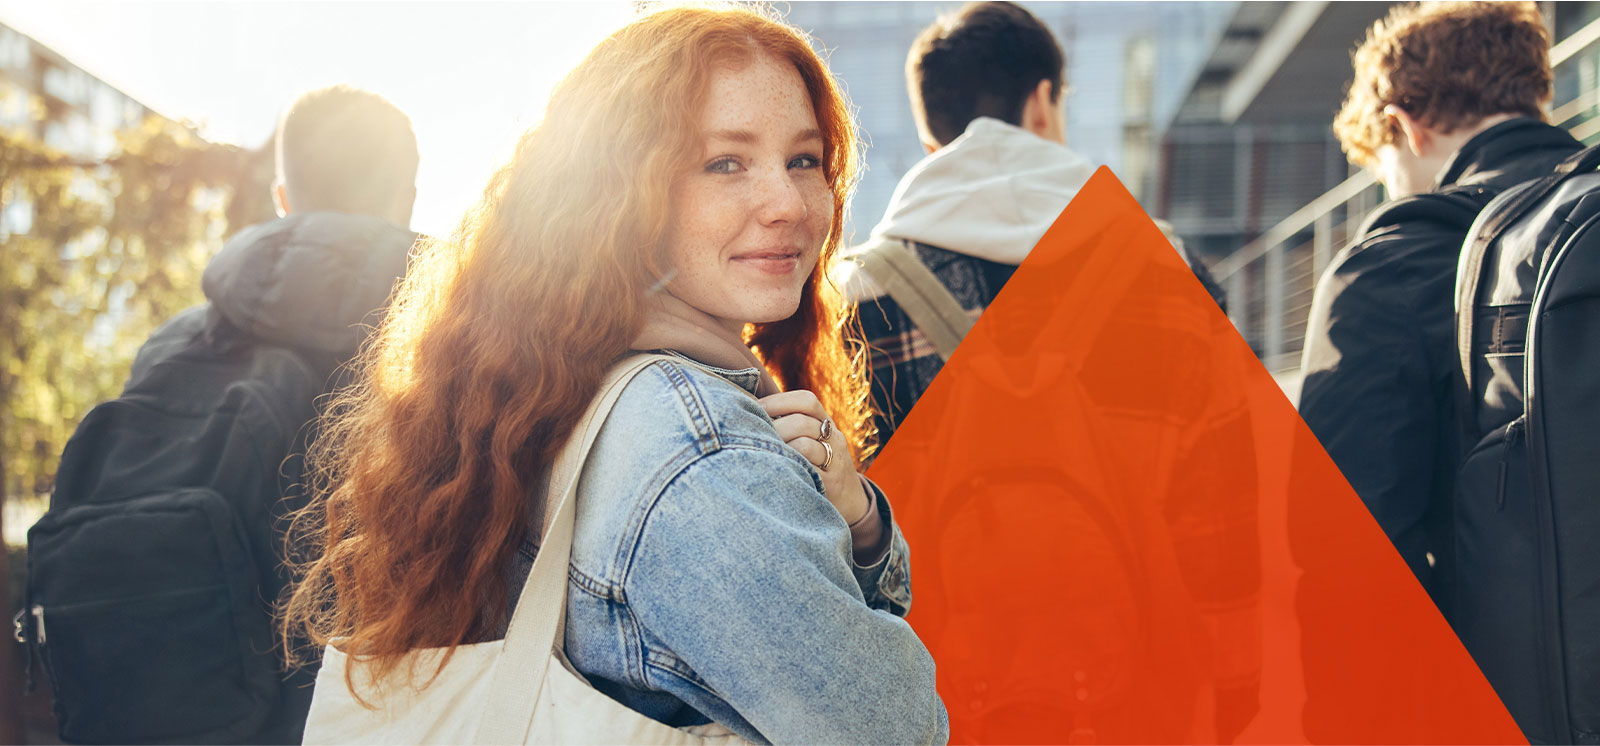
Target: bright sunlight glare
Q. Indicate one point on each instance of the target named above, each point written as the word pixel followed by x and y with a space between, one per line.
pixel 472 75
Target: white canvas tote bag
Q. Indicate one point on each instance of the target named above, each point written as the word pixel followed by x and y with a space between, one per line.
pixel 512 691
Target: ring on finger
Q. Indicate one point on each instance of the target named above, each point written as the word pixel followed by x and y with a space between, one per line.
pixel 827 455
pixel 827 430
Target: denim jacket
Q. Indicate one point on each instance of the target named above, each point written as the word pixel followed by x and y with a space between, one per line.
pixel 711 579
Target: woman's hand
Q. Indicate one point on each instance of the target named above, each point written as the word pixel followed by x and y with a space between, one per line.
pixel 804 425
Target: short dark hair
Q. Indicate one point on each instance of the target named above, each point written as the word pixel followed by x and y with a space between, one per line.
pixel 345 150
pixel 983 61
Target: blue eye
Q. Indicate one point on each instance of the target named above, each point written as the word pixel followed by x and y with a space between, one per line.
pixel 805 161
pixel 726 165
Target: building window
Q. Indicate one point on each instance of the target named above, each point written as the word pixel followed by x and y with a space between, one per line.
pixel 14 50
pixel 67 84
pixel 14 105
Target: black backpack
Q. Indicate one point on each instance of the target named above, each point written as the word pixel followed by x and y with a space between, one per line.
pixel 1527 508
pixel 152 577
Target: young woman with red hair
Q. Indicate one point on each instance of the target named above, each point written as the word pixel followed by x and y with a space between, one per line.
pixel 684 192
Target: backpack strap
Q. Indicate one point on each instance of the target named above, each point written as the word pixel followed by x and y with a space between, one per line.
pixel 1581 162
pixel 938 315
pixel 540 618
pixel 1509 208
pixel 1486 231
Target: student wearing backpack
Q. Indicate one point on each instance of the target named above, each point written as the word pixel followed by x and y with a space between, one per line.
pixel 152 578
pixel 987 86
pixel 731 575
pixel 1446 108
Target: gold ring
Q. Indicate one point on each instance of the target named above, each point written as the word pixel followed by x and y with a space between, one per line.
pixel 827 430
pixel 827 457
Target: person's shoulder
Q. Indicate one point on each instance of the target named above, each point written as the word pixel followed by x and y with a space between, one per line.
pixel 184 327
pixel 689 402
pixel 199 362
pixel 675 423
pixel 1447 214
pixel 177 335
pixel 1421 233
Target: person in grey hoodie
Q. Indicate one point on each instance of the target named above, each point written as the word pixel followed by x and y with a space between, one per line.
pixel 223 399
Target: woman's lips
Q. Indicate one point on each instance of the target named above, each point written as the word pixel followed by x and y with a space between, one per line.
pixel 770 262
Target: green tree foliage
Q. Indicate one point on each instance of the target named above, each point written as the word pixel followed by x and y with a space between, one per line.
pixel 100 254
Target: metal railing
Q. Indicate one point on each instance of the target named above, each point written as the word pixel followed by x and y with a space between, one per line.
pixel 1271 279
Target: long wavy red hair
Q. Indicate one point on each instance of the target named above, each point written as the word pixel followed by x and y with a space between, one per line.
pixel 499 336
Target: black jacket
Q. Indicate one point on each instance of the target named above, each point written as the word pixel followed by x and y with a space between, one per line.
pixel 289 302
pixel 1380 346
pixel 1378 366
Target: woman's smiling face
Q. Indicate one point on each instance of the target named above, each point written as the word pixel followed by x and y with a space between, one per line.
pixel 750 218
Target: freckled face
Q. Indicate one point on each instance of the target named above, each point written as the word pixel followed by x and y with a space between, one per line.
pixel 750 217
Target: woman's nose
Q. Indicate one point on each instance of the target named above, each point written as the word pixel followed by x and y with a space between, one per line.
pixel 779 198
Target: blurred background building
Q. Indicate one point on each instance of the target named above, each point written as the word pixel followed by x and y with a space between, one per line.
pixel 57 102
pixel 47 99
pixel 1217 116
pixel 1251 174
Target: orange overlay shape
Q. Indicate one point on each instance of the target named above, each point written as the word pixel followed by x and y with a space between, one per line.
pixel 1122 532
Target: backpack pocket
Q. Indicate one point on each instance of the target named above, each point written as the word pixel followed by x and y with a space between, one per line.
pixel 1496 612
pixel 147 615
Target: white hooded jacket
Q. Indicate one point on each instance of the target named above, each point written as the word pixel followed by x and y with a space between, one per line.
pixel 990 193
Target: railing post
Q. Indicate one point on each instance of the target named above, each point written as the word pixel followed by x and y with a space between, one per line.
pixel 1361 205
pixel 1321 245
pixel 1273 280
pixel 1237 301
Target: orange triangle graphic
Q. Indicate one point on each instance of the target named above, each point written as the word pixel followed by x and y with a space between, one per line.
pixel 1097 495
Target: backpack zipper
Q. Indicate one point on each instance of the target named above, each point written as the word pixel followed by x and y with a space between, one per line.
pixel 24 630
pixel 28 628
pixel 1554 646
pixel 1513 434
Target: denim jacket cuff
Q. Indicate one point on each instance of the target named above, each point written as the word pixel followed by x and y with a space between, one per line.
pixel 885 581
pixel 870 535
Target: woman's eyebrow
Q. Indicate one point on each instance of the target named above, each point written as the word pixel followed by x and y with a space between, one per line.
pixel 744 137
pixel 747 137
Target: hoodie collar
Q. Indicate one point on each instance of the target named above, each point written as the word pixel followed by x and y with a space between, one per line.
pixel 990 193
pixel 672 324
pixel 312 280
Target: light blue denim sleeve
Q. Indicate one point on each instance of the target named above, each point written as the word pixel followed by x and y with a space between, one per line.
pixel 886 583
pixel 743 586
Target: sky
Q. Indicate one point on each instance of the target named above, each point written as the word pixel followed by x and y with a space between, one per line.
pixel 472 75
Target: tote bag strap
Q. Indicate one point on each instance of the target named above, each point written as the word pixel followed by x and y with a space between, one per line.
pixel 541 608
